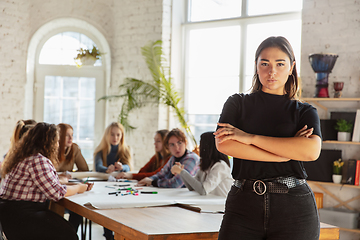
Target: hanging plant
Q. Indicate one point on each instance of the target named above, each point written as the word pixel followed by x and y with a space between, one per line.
pixel 138 93
pixel 87 57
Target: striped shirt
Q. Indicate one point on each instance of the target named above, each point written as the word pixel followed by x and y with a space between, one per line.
pixel 34 179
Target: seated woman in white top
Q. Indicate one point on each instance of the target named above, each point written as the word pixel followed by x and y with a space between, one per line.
pixel 214 175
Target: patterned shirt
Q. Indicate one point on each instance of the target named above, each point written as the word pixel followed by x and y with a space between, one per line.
pixel 34 179
pixel 166 179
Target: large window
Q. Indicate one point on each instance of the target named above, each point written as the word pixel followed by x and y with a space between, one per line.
pixel 221 37
pixel 67 94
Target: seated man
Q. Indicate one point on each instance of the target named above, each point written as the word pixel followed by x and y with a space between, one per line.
pixel 176 142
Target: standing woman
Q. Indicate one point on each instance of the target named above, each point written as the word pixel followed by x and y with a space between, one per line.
pixel 270 134
pixel 69 152
pixel 214 176
pixel 156 163
pixel 30 180
pixel 113 154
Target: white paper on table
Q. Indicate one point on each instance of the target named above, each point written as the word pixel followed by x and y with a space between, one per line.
pixel 99 197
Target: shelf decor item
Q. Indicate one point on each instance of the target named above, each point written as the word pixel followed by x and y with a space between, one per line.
pixel 322 64
pixel 87 57
pixel 337 171
pixel 344 129
pixel 338 87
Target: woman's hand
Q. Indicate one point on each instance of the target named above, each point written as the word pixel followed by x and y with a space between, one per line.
pixel 89 186
pixel 144 182
pixel 177 168
pixel 82 187
pixel 304 132
pixel 118 166
pixel 229 132
pixel 111 168
pixel 124 175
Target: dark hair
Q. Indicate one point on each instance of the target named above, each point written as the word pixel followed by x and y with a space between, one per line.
pixel 292 86
pixel 63 127
pixel 209 154
pixel 164 152
pixel 177 133
pixel 42 138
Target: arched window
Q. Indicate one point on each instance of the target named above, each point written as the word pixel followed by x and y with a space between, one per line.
pixel 65 93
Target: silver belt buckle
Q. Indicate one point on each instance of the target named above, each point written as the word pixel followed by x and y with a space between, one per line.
pixel 257 184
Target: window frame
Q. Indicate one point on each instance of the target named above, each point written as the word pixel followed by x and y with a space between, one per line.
pixel 243 21
pixel 97 72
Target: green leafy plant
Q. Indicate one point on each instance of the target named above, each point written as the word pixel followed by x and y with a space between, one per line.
pixel 343 126
pixel 138 93
pixel 337 166
pixel 93 54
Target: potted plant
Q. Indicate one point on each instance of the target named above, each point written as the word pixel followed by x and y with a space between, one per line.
pixel 137 93
pixel 337 171
pixel 87 57
pixel 344 129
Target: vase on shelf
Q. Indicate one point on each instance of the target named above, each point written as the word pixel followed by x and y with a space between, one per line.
pixel 344 136
pixel 336 178
pixel 322 64
pixel 338 87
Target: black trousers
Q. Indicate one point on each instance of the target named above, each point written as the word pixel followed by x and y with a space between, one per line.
pixel 272 216
pixel 33 221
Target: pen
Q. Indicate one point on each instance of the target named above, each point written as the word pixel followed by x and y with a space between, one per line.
pixel 111 193
pixel 122 185
pixel 145 192
pixel 86 180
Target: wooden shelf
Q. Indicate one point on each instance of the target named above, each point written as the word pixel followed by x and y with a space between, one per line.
pixel 350 230
pixel 334 184
pixel 340 142
pixel 326 103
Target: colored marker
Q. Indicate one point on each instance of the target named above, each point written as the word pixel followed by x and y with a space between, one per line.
pixel 86 180
pixel 145 192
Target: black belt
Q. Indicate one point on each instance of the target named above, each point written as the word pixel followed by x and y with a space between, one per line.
pixel 278 185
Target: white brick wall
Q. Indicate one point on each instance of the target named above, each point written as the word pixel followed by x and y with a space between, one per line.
pixel 331 26
pixel 127 26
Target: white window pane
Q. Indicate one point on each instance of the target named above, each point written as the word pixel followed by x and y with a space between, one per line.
pixel 214 52
pixel 51 110
pixel 52 86
pixel 256 33
pixel 54 42
pixel 61 49
pixel 207 95
pixel 69 112
pixel 71 40
pixel 202 10
pixel 259 7
pixel 87 86
pixel 87 119
pixel 71 87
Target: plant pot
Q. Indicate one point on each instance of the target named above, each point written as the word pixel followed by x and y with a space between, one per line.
pixel 89 61
pixel 343 136
pixel 336 178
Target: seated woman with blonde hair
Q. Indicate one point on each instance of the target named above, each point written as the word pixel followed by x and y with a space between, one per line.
pixel 156 163
pixel 113 154
pixel 69 152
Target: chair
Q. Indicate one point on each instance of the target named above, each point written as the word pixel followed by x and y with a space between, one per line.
pixel 2 234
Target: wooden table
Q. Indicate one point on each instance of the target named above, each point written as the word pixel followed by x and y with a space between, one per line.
pixel 170 222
